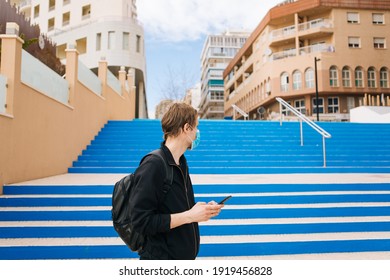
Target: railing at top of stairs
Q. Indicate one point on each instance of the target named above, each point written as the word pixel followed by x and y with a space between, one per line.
pixel 239 110
pixel 302 117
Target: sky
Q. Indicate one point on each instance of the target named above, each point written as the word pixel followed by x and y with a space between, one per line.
pixel 175 31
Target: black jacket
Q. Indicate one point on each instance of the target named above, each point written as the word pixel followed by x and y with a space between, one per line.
pixel 151 209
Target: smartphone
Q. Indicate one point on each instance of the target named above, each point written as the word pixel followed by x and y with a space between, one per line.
pixel 225 199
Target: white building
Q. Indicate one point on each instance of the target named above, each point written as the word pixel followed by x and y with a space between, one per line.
pixel 101 29
pixel 217 52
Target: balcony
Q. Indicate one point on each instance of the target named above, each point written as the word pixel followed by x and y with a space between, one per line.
pixel 305 31
pixel 303 51
pixel 25 6
pixel 242 70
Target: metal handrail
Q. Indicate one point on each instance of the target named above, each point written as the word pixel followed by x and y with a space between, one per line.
pixel 312 124
pixel 242 112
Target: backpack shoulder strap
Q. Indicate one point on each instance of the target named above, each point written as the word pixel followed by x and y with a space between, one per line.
pixel 168 181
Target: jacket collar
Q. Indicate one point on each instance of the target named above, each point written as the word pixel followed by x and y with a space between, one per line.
pixel 169 156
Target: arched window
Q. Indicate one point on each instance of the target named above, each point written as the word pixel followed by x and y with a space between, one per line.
pixel 346 76
pixel 309 78
pixel 297 80
pixel 359 81
pixel 384 77
pixel 371 77
pixel 284 82
pixel 333 76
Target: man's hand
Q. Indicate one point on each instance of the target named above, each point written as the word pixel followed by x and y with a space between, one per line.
pixel 201 212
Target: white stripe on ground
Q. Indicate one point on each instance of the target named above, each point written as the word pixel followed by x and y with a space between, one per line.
pixel 234 239
pixel 327 178
pixel 209 223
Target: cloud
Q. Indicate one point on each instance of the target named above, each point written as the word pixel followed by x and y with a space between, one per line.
pixel 188 20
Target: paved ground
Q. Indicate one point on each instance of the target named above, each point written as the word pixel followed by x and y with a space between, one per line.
pixel 109 179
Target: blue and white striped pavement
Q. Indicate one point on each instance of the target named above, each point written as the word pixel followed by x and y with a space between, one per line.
pixel 332 216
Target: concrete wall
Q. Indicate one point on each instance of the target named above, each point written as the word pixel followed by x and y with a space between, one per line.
pixel 40 136
pixel 370 114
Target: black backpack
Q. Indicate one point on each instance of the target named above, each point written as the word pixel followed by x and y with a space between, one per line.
pixel 121 196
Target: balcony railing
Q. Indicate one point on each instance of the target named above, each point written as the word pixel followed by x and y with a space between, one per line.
pixel 315 24
pixel 316 48
pixel 303 51
pixel 24 4
pixel 291 30
pixel 286 31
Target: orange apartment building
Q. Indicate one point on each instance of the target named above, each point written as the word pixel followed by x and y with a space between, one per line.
pixel 348 39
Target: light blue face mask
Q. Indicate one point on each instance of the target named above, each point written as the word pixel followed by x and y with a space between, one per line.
pixel 195 143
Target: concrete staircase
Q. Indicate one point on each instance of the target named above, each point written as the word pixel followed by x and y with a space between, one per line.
pixel 285 204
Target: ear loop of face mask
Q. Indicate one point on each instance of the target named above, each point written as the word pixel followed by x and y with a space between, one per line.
pixel 196 141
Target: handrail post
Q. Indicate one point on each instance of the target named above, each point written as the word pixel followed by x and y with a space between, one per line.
pixel 301 132
pixel 324 149
pixel 280 111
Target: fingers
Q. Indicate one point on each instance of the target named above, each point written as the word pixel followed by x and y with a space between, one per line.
pixel 214 209
pixel 202 212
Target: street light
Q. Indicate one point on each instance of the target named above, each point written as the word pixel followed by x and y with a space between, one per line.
pixel 316 80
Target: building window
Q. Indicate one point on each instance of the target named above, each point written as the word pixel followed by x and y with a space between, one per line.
pixel 300 106
pixel 371 77
pixel 66 2
pixel 60 51
pixel 354 42
pixel 138 44
pixel 379 43
pixel 333 77
pixel 333 105
pixel 111 40
pixel 50 24
pixel 86 12
pixel 285 111
pixel 268 87
pixel 36 11
pixel 65 19
pixel 309 78
pixel 352 17
pixel 126 41
pixel 81 45
pixel 52 5
pixel 297 80
pixel 320 105
pixel 378 18
pixel 359 77
pixel 216 95
pixel 98 41
pixel 346 76
pixel 384 77
pixel 284 82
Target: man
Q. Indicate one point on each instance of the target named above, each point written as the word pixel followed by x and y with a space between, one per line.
pixel 171 225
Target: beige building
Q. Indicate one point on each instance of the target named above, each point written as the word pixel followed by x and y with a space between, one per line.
pixel 192 96
pixel 348 39
pixel 162 108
